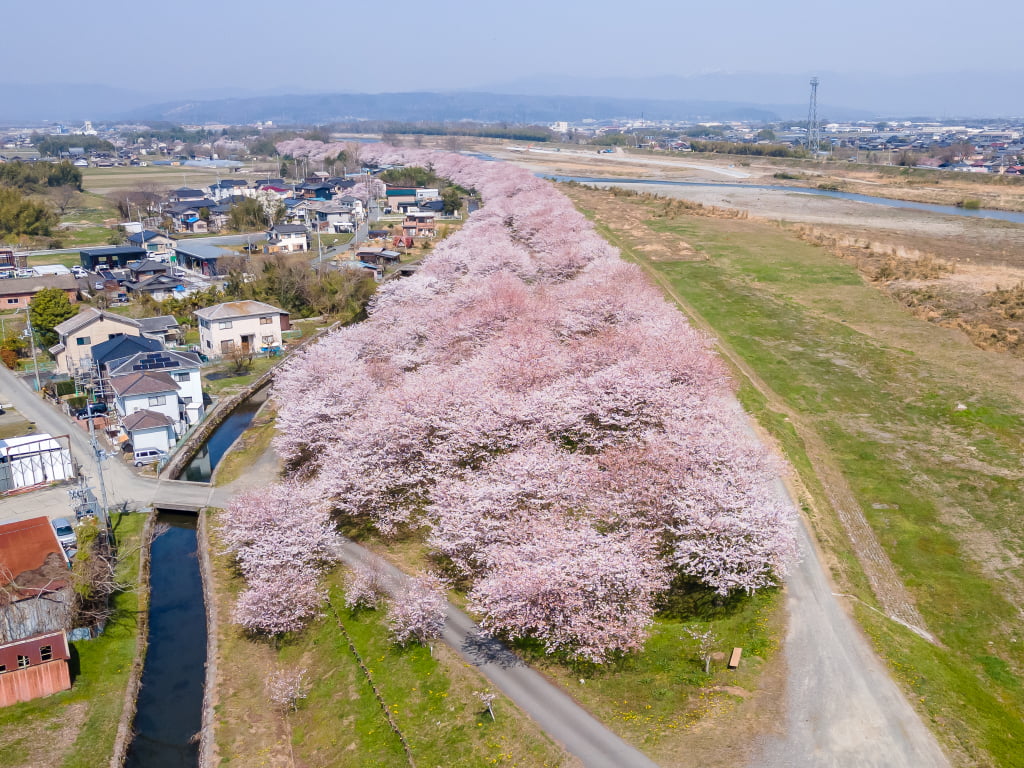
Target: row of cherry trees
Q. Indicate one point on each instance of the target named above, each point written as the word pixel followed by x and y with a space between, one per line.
pixel 570 443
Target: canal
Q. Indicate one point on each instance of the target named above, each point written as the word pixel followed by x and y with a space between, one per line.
pixel 169 709
pixel 200 469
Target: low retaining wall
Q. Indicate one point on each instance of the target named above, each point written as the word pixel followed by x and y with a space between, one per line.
pixel 207 743
pixel 131 694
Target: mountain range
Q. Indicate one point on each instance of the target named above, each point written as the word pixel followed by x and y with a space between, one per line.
pixel 542 99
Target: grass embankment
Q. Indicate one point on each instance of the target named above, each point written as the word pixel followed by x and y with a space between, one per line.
pixel 76 728
pixel 252 444
pixel 924 428
pixel 660 700
pixel 430 696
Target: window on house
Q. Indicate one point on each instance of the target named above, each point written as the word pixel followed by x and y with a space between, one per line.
pixel 180 376
pixel 209 344
pixel 113 335
pixel 266 320
pixel 157 399
pixel 227 346
pixel 3 667
pixel 83 340
pixel 46 653
pixel 224 324
pixel 186 400
pixel 13 301
pixel 22 661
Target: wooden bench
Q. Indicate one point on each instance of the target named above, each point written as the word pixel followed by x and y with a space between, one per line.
pixel 734 660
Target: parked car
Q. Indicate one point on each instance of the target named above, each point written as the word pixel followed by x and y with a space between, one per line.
pixel 65 533
pixel 147 456
pixel 79 272
pixel 92 409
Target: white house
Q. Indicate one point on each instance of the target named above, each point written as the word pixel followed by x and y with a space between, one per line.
pixel 182 367
pixel 287 238
pixel 248 326
pixel 148 405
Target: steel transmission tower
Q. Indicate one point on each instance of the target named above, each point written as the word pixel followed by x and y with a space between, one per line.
pixel 813 128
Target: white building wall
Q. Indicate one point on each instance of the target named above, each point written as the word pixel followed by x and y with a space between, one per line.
pixel 214 332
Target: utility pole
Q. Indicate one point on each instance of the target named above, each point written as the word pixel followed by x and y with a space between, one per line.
pixel 99 455
pixel 32 342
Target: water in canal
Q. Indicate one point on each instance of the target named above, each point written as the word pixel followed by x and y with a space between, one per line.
pixel 200 469
pixel 170 703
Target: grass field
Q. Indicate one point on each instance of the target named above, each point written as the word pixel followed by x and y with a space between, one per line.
pixel 925 429
pixel 76 728
pixel 430 694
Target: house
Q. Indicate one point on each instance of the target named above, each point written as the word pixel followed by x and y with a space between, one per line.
pixel 33 460
pixel 113 350
pixel 377 255
pixel 190 216
pixel 163 327
pixel 334 217
pixel 287 238
pixel 153 242
pixel 419 225
pixel 154 396
pixel 399 195
pixel 200 257
pixel 35 609
pixel 73 352
pixel 94 259
pixel 140 270
pixel 319 190
pixel 185 194
pixel 160 287
pixel 182 367
pixel 247 326
pixel 227 188
pixel 18 292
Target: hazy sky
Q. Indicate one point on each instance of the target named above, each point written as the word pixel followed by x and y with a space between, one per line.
pixel 320 45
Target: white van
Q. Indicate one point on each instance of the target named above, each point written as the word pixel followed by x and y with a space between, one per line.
pixel 147 456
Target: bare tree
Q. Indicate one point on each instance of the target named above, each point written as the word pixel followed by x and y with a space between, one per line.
pixel 706 642
pixel 65 198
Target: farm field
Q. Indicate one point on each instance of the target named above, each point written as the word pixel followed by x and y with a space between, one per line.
pixel 921 429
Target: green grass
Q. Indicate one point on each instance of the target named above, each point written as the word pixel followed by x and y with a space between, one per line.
pixel 229 382
pixel 66 259
pixel 340 723
pixel 87 715
pixel 652 698
pixel 940 485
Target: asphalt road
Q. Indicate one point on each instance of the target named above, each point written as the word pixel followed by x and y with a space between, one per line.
pixel 553 710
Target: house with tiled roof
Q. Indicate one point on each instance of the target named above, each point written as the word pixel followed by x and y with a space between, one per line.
pixel 182 367
pixel 156 393
pixel 18 292
pixel 246 327
pixel 77 335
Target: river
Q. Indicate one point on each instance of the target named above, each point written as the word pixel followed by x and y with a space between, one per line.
pixel 949 210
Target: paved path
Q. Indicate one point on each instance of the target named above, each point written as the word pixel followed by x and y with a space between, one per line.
pixel 843 710
pixel 553 710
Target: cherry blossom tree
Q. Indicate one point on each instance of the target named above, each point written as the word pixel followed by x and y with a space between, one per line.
pixel 418 610
pixel 366 586
pixel 580 591
pixel 569 441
